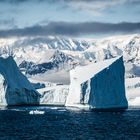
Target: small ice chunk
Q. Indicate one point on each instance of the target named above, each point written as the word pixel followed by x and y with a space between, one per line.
pixel 36 112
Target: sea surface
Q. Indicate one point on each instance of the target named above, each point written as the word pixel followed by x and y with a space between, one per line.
pixel 60 123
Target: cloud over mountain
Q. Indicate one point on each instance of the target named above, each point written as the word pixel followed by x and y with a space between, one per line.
pixel 73 29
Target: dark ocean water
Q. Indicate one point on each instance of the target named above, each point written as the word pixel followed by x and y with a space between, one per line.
pixel 68 124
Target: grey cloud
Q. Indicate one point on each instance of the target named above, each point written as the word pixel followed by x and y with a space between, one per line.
pixel 133 1
pixel 86 5
pixel 68 1
pixel 13 1
pixel 8 22
pixel 73 29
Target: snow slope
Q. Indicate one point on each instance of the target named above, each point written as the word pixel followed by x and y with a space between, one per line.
pixel 14 86
pixel 99 85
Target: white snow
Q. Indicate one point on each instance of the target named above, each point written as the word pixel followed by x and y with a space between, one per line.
pixel 55 95
pixel 135 102
pixel 88 71
pixel 133 91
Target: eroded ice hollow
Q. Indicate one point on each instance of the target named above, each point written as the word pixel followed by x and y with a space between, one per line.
pixel 15 89
pixel 98 86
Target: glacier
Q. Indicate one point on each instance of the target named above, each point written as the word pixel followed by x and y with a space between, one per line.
pixel 15 89
pixel 55 95
pixel 98 85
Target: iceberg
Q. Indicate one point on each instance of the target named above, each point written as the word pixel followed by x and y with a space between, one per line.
pixel 98 85
pixel 56 95
pixel 15 89
pixel 32 112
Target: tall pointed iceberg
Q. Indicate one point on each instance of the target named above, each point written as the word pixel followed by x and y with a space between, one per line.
pixel 15 89
pixel 98 85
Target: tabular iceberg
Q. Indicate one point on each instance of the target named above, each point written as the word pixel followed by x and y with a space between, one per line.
pixel 98 85
pixel 15 89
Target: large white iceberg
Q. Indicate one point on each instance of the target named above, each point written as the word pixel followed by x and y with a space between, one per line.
pixel 98 85
pixel 15 89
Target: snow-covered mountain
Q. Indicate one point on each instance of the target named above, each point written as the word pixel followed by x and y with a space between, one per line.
pixel 101 49
pixel 114 46
pixel 57 61
pixel 49 42
pixel 39 54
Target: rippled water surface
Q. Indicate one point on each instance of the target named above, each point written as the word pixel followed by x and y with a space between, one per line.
pixel 68 124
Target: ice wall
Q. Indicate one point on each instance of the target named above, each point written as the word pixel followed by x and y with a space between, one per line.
pixel 107 87
pixel 15 89
pixel 98 85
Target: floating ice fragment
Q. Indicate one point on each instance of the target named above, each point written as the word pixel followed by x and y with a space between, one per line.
pixel 36 112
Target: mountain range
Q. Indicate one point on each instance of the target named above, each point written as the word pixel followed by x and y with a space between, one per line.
pixel 35 55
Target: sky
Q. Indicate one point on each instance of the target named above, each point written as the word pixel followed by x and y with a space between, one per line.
pixel 70 18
